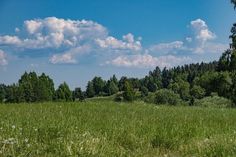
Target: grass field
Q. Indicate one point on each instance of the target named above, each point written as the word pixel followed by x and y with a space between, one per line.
pixel 105 128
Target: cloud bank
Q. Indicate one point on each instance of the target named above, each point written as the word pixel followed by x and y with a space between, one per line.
pixel 3 60
pixel 65 41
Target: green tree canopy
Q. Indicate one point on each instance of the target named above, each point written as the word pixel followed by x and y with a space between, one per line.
pixel 128 94
pixel 63 93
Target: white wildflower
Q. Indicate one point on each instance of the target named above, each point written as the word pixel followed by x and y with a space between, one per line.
pixel 26 140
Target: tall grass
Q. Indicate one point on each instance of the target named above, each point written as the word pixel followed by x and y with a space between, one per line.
pixel 105 128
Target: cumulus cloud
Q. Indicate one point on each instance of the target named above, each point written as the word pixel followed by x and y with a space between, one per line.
pixel 146 60
pixel 189 39
pixel 65 36
pixel 167 47
pixel 201 30
pixel 10 40
pixel 53 32
pixel 128 43
pixel 3 60
pixel 210 48
pixel 65 40
pixel 69 57
pixel 199 43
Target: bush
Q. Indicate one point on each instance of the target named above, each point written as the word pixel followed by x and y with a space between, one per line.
pixel 197 92
pixel 165 96
pixel 213 101
pixel 144 91
pixel 129 93
pixel 150 98
pixel 118 97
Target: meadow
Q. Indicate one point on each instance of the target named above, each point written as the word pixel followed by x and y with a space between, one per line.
pixel 100 128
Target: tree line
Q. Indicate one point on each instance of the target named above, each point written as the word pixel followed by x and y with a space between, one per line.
pixel 188 83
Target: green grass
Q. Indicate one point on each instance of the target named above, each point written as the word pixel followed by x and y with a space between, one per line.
pixel 105 128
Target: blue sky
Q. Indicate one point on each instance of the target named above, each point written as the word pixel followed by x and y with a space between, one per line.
pixel 75 40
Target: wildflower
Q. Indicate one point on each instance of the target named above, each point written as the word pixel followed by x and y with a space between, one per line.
pixel 13 126
pixel 10 141
pixel 26 140
pixel 206 140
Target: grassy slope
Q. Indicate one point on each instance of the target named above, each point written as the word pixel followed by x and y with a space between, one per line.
pixel 105 128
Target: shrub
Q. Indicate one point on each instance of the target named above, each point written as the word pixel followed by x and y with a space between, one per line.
pixel 129 93
pixel 197 92
pixel 165 96
pixel 118 97
pixel 150 98
pixel 144 91
pixel 213 101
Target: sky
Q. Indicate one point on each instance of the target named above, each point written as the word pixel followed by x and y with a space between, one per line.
pixel 75 40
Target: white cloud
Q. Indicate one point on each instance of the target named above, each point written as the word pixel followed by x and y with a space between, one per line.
pixel 129 38
pixel 210 48
pixel 202 31
pixel 198 43
pixel 69 57
pixel 33 26
pixel 128 43
pixel 167 47
pixel 59 35
pixel 53 32
pixel 10 40
pixel 146 60
pixel 69 39
pixel 189 39
pixel 3 60
pixel 17 30
pixel 63 59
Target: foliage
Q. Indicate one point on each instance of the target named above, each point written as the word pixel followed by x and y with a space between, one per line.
pixel 98 85
pixel 151 98
pixel 181 87
pixel 90 90
pixel 63 93
pixel 2 92
pixel 219 82
pixel 213 101
pixel 233 89
pixel 128 93
pixel 197 92
pixel 111 88
pixel 78 94
pixel 144 91
pixel 168 97
pixel 119 97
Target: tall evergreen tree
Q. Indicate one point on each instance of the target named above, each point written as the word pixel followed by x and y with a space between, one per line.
pixel 45 88
pixel 78 94
pixel 111 87
pixel 90 90
pixel 98 85
pixel 63 93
